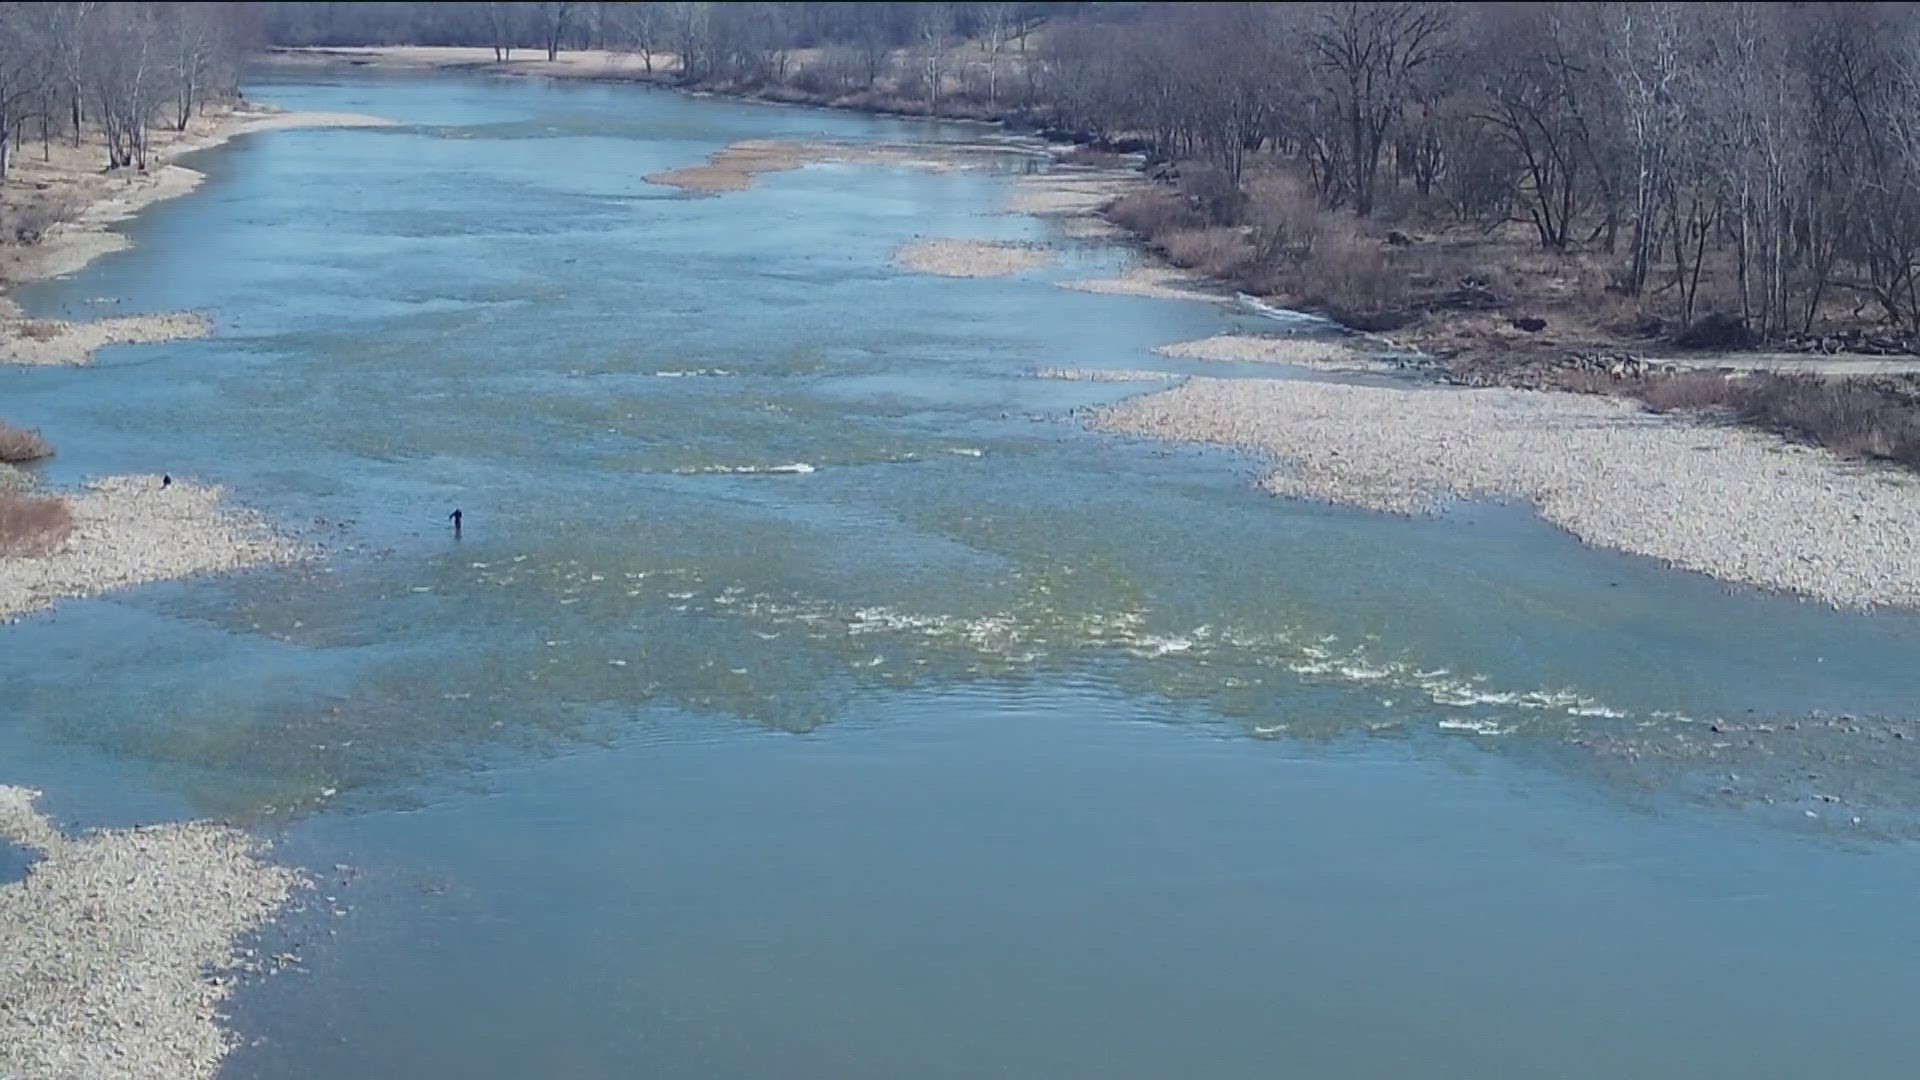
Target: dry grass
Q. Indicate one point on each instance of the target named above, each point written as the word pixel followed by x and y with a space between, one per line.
pixel 1688 390
pixel 33 526
pixel 1849 416
pixel 1155 213
pixel 17 445
pixel 28 224
pixel 1218 252
pixel 1858 418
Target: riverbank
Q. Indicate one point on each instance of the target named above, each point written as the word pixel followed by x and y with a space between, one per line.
pixel 118 947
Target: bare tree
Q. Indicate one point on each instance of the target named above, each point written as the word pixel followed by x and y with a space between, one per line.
pixel 635 28
pixel 24 75
pixel 935 37
pixel 1530 99
pixel 556 18
pixel 503 29
pixel 996 28
pixel 1645 57
pixel 197 46
pixel 1372 56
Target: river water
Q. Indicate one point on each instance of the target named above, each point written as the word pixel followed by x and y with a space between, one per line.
pixel 989 746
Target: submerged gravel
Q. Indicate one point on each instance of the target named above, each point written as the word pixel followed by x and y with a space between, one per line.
pixel 118 947
pixel 971 258
pixel 1738 504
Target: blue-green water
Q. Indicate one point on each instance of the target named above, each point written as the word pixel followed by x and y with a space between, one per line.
pixel 992 746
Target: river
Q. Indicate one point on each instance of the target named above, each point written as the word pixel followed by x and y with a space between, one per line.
pixel 981 745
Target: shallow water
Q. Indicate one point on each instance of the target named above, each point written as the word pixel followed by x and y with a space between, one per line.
pixel 15 861
pixel 987 745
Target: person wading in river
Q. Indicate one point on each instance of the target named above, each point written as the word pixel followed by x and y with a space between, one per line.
pixel 455 518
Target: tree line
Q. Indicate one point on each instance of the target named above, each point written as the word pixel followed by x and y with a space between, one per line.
pixel 1775 143
pixel 115 69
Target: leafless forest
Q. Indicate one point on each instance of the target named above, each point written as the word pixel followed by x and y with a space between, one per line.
pixel 117 71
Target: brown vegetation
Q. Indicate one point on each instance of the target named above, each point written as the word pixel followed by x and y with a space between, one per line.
pixel 17 445
pixel 1871 419
pixel 33 526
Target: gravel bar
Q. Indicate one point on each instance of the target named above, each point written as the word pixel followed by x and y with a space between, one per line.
pixel 119 946
pixel 1740 505
pixel 129 530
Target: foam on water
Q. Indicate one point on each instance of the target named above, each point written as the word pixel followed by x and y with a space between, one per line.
pixel 800 468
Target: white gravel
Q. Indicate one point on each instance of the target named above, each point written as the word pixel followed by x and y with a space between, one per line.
pixel 1738 504
pixel 119 946
pixel 1315 354
pixel 1106 375
pixel 1153 282
pixel 128 530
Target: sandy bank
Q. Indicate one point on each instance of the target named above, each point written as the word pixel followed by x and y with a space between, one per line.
pixel 119 946
pixel 128 530
pixel 1152 282
pixel 1740 505
pixel 1318 355
pixel 971 258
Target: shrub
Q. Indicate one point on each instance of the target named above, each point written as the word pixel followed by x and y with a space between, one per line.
pixel 1154 213
pixel 1690 390
pixel 28 225
pixel 1359 278
pixel 17 445
pixel 1219 253
pixel 1214 195
pixel 31 527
